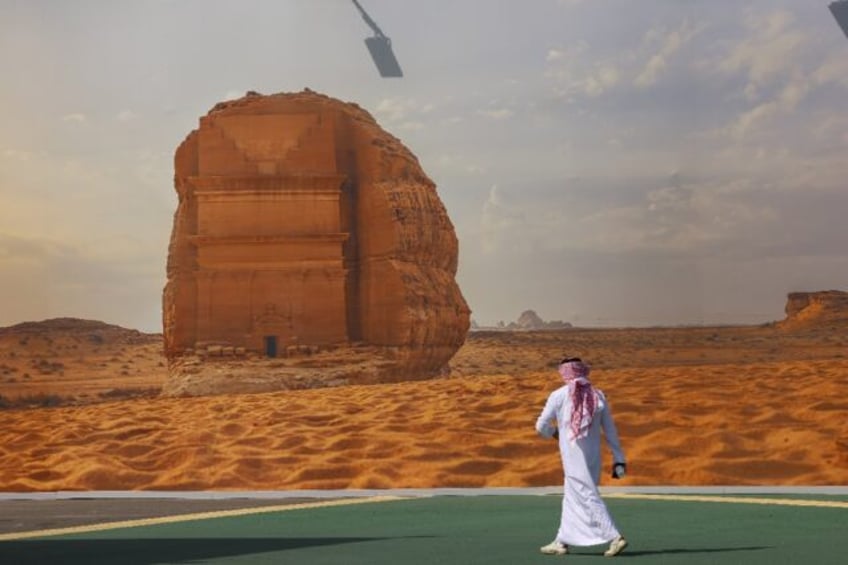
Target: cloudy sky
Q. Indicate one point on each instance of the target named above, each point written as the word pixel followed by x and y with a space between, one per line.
pixel 605 162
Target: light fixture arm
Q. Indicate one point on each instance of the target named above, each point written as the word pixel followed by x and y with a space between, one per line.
pixel 371 23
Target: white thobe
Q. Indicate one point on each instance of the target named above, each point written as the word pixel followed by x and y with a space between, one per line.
pixel 585 518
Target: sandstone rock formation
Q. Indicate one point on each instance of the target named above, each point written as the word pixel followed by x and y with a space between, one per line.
pixel 529 320
pixel 91 331
pixel 823 308
pixel 307 234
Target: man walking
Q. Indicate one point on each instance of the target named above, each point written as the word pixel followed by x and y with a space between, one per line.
pixel 580 412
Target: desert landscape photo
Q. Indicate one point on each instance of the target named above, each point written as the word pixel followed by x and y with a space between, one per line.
pixel 268 247
pixel 732 405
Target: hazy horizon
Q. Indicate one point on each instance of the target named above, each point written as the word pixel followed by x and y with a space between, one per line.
pixel 604 163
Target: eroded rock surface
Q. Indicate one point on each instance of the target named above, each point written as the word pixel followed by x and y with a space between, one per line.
pixel 306 240
pixel 823 308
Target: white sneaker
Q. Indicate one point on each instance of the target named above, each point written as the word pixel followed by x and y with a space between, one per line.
pixel 554 548
pixel 616 546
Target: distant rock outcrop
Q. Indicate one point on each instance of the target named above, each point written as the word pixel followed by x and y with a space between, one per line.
pixel 528 320
pixel 823 308
pixel 307 234
pixel 91 330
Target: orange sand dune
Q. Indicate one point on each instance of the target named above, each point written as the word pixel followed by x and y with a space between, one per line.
pixel 682 423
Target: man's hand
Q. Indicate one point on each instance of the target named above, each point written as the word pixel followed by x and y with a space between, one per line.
pixel 619 470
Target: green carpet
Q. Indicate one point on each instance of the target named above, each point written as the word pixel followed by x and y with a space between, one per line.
pixel 464 530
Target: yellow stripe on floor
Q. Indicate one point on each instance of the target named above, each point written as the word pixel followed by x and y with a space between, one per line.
pixel 732 499
pixel 196 516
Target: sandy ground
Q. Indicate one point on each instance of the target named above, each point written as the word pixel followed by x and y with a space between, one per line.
pixel 694 406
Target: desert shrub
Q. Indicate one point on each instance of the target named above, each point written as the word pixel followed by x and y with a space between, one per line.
pixel 46 367
pixel 130 392
pixel 42 399
pixel 38 400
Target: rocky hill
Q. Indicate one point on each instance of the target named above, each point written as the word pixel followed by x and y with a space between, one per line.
pixel 530 320
pixel 527 321
pixel 74 361
pixel 92 331
pixel 828 308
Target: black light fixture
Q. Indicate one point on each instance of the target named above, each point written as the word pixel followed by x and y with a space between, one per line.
pixel 380 47
pixel 839 9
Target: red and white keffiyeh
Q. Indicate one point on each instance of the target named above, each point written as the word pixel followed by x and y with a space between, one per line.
pixel 584 399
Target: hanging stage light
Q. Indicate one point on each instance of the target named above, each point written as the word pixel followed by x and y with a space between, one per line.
pixel 380 47
pixel 840 12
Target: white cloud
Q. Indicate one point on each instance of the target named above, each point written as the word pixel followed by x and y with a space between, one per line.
pixel 794 90
pixel 126 116
pixel 458 164
pixel 671 44
pixel 771 48
pixel 694 219
pixel 404 113
pixel 445 160
pixel 832 127
pixel 497 113
pixel 400 109
pixel 563 62
pixel 833 70
pixel 697 218
pixel 781 69
pixel 17 155
pixel 604 78
pixel 554 55
pixel 74 118
pixel 651 72
pixel 747 121
pixel 575 72
pixel 411 126
pixel 498 220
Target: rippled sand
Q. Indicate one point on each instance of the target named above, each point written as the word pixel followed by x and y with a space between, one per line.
pixel 749 411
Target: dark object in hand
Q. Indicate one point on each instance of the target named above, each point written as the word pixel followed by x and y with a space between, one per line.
pixel 556 434
pixel 619 470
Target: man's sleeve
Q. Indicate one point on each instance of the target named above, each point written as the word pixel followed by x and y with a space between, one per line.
pixel 544 423
pixel 611 433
